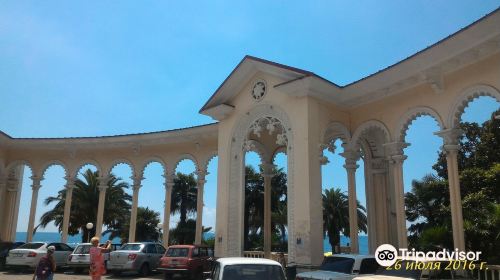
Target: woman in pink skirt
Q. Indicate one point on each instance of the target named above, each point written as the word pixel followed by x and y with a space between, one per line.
pixel 97 268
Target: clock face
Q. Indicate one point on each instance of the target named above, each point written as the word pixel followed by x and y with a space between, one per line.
pixel 258 91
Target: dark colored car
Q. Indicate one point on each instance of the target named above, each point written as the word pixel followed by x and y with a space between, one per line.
pixel 5 247
pixel 186 260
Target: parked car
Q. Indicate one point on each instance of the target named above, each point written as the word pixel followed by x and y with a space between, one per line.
pixel 5 247
pixel 141 257
pixel 186 260
pixel 246 269
pixel 79 259
pixel 342 267
pixel 28 255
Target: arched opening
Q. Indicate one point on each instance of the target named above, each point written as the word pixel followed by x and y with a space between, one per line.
pixel 279 203
pixel 151 203
pixel 19 194
pixel 336 199
pixel 117 230
pixel 253 233
pixel 478 164
pixel 184 203
pixel 50 206
pixel 420 180
pixel 209 202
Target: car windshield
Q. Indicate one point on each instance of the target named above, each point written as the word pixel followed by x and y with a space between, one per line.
pixel 252 272
pixel 338 264
pixel 31 246
pixel 82 249
pixel 402 272
pixel 177 252
pixel 131 247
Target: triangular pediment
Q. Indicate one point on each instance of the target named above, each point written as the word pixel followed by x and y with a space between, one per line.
pixel 219 106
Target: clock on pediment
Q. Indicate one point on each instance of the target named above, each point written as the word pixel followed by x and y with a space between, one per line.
pixel 259 90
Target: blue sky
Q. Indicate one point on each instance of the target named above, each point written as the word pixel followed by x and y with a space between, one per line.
pixel 87 68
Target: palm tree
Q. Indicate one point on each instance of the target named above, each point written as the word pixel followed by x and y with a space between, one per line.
pixel 184 196
pixel 254 206
pixel 336 216
pixel 84 205
pixel 146 226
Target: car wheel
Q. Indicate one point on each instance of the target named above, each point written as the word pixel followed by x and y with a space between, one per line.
pixel 117 273
pixel 144 271
pixel 2 263
pixel 78 270
pixel 167 276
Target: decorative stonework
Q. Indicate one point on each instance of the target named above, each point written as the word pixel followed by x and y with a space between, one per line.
pixel 406 120
pixel 259 89
pixel 469 94
pixel 261 117
pixel 364 128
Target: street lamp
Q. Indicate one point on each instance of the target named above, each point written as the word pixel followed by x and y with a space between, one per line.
pixel 89 226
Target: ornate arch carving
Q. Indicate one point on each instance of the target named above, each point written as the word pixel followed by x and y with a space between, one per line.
pixel 334 131
pixel 51 163
pixel 407 118
pixel 469 94
pixel 364 127
pixel 88 162
pixel 16 163
pixel 119 161
pixel 259 148
pixel 209 158
pixel 189 157
pixel 150 160
pixel 239 135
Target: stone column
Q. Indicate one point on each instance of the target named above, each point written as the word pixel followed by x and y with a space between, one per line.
pixel 67 208
pixel 199 205
pixel 100 208
pixel 351 157
pixel 133 212
pixel 169 184
pixel 396 158
pixel 268 169
pixel 451 146
pixel 34 199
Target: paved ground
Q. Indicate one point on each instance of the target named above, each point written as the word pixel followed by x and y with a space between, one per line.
pixel 70 276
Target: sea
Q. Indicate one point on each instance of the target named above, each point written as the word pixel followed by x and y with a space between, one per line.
pixel 75 239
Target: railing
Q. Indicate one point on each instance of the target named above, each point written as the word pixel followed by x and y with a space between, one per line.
pixel 492 272
pixel 279 257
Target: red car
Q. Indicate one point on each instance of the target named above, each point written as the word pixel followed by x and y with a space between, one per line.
pixel 186 260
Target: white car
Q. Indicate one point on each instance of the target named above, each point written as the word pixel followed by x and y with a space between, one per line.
pixel 28 255
pixel 342 267
pixel 246 269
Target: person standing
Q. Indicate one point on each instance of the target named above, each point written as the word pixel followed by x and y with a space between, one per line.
pixel 46 266
pixel 97 268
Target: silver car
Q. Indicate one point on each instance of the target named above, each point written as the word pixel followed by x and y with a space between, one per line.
pixel 141 257
pixel 80 258
pixel 28 255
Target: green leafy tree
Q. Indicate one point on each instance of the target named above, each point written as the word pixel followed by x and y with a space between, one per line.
pixel 184 196
pixel 479 171
pixel 184 233
pixel 146 226
pixel 336 216
pixel 84 205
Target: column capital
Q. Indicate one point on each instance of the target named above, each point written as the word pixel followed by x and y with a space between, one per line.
pixel 201 173
pixel 451 136
pixel 36 182
pixel 267 169
pixel 351 157
pixel 103 180
pixel 136 180
pixel 395 148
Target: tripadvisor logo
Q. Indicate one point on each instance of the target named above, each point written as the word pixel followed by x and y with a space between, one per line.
pixel 387 255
